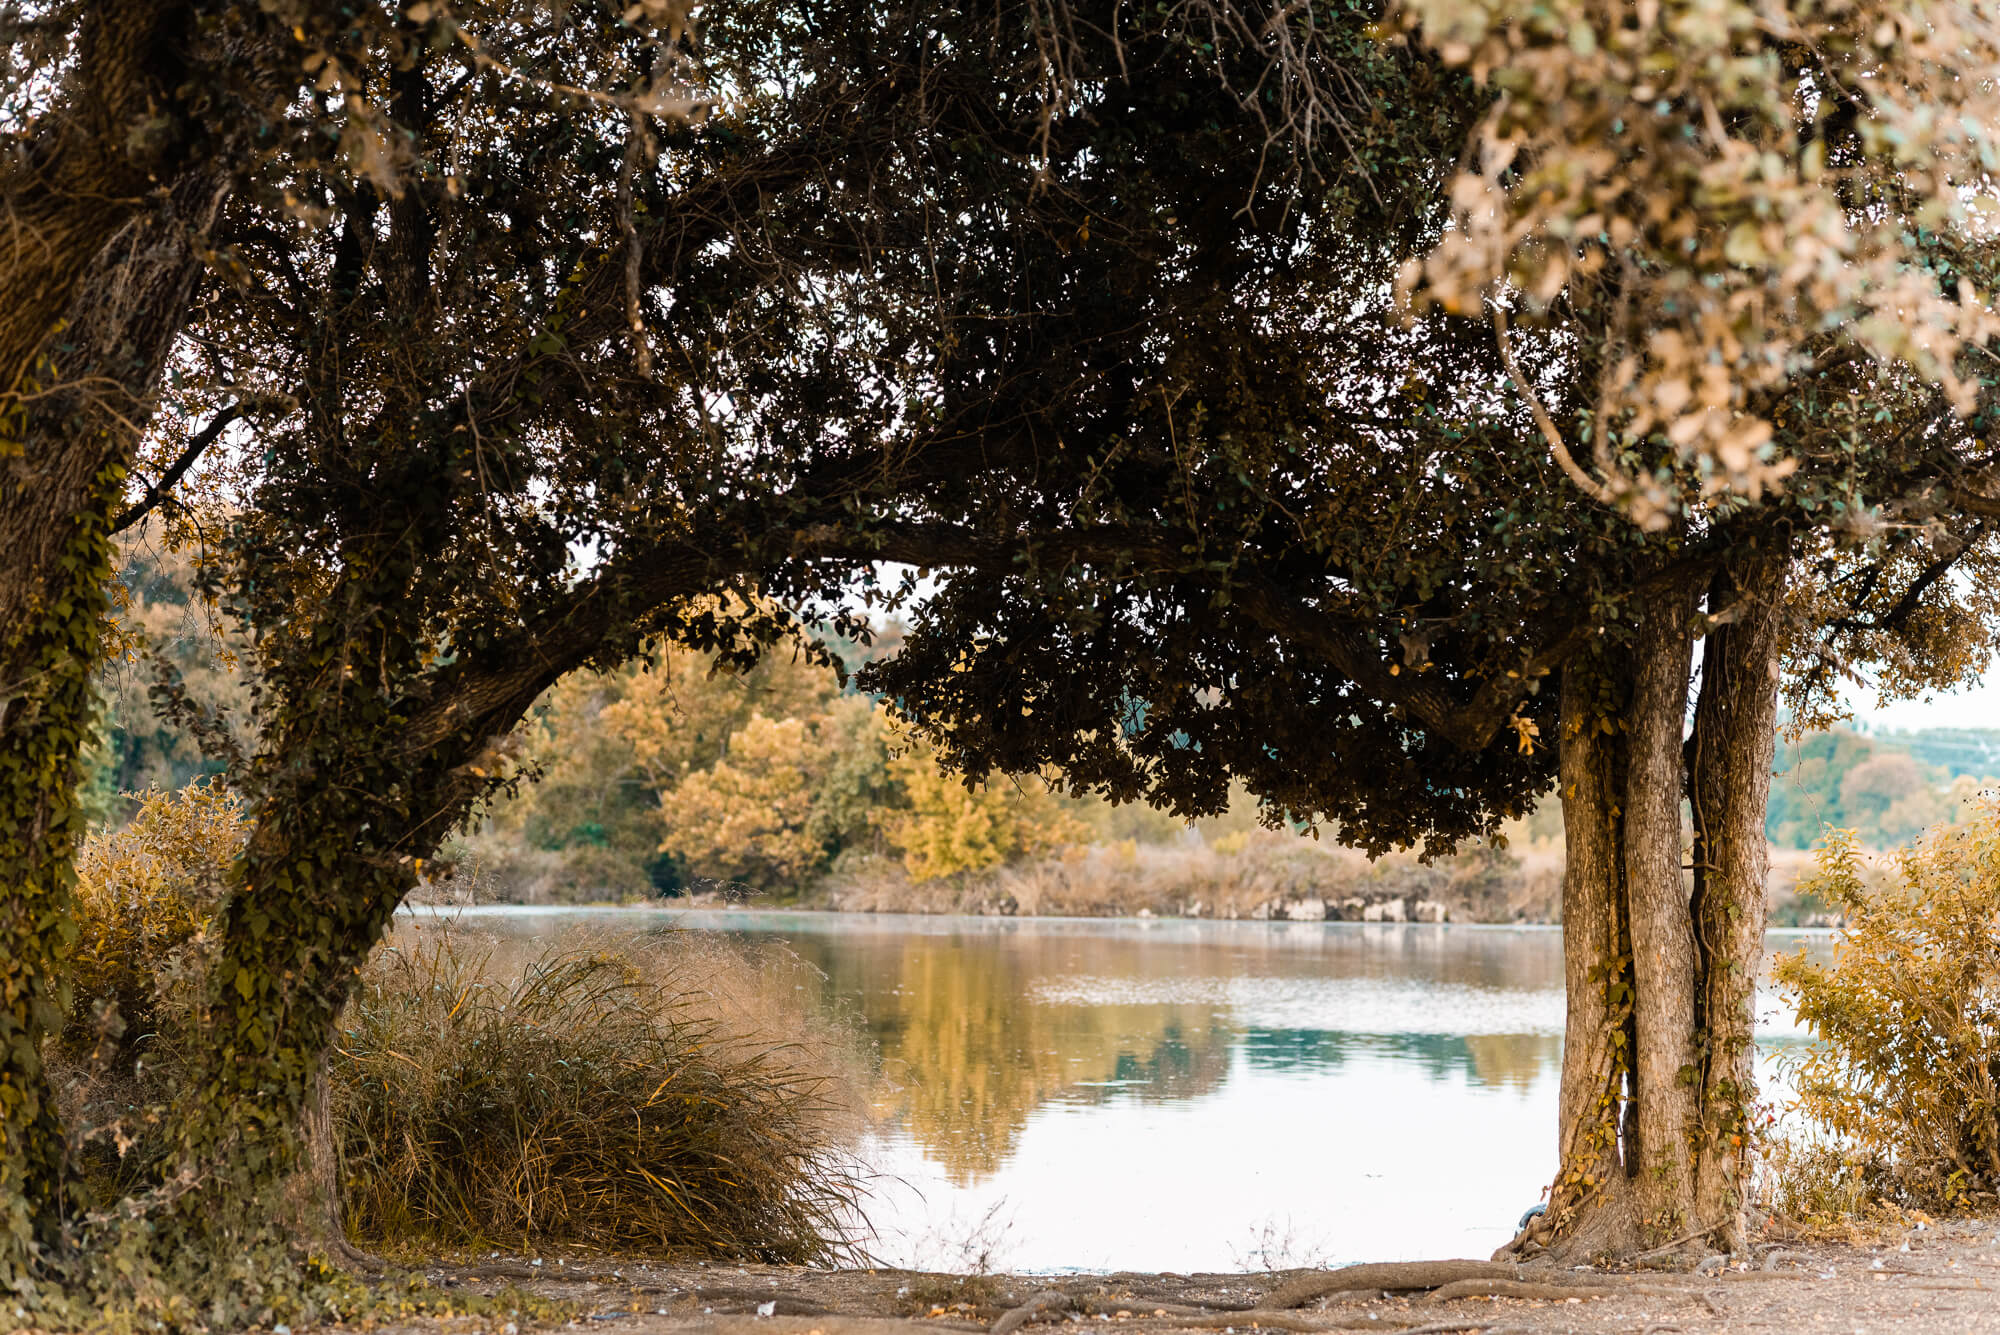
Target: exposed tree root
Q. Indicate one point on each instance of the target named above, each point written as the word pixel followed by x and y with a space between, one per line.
pixel 1049 1302
pixel 1445 1281
pixel 1515 1288
pixel 1389 1276
pixel 1300 1322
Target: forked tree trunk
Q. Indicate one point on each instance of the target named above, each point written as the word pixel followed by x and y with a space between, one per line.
pixel 1660 969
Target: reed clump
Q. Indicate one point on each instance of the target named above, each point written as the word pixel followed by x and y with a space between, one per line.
pixel 590 1099
pixel 667 1094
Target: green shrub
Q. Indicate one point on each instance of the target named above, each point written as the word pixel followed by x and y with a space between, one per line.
pixel 1903 1080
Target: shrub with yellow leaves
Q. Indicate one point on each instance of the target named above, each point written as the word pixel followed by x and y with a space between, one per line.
pixel 1904 1077
pixel 143 894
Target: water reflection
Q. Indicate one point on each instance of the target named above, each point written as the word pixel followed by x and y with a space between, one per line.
pixel 1177 1094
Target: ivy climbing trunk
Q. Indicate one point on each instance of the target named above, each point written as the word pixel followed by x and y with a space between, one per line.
pixel 353 799
pixel 321 878
pixel 48 654
pixel 1661 969
pixel 62 470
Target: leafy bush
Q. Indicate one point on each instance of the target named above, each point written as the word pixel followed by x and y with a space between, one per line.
pixel 1905 1074
pixel 948 828
pixel 590 1099
pixel 144 893
pixel 790 794
pixel 142 896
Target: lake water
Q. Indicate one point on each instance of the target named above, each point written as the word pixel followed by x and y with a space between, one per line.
pixel 1188 1095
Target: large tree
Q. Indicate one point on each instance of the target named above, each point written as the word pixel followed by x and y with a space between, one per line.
pixel 1095 322
pixel 573 381
pixel 133 127
pixel 129 122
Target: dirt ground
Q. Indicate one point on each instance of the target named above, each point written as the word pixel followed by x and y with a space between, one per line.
pixel 1941 1277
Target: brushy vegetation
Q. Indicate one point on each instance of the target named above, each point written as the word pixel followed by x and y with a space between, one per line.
pixel 143 897
pixel 591 1099
pixel 1903 1082
pixel 1245 874
pixel 624 1097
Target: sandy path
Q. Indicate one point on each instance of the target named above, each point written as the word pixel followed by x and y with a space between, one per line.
pixel 1941 1278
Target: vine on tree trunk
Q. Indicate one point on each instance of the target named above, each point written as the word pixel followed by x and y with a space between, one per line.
pixel 47 711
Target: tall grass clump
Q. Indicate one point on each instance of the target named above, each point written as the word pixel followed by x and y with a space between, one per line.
pixel 589 1099
pixel 1902 1083
pixel 667 1095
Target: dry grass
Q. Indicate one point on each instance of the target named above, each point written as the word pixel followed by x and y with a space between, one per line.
pixel 1829 1194
pixel 593 1098
pixel 667 1095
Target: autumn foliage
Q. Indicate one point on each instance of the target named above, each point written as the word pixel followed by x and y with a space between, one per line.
pixel 687 770
pixel 1905 1073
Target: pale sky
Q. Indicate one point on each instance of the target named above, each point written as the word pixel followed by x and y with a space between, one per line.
pixel 1978 707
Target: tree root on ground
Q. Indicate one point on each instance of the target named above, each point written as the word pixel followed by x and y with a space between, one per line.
pixel 1389 1276
pixel 1049 1302
pixel 1515 1288
pixel 1443 1281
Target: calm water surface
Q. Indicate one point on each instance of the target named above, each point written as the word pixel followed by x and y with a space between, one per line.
pixel 1187 1095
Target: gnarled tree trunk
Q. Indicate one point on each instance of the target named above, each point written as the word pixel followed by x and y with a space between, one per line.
pixel 1660 969
pixel 58 494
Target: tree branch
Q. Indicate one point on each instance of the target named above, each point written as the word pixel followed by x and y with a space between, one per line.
pixel 158 492
pixel 1574 471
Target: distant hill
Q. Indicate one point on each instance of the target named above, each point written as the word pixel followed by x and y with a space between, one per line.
pixel 1887 787
pixel 1974 752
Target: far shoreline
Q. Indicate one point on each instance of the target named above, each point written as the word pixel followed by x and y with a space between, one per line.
pixel 674 908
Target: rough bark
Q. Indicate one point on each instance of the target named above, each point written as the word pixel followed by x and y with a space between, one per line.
pixel 1664 967
pixel 1597 961
pixel 57 493
pixel 1660 968
pixel 88 169
pixel 1729 786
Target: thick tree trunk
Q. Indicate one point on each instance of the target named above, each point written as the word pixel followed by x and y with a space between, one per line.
pixel 350 809
pixel 46 712
pixel 1663 955
pixel 1660 970
pixel 1729 788
pixel 57 493
pixel 118 135
pixel 1588 1204
pixel 327 864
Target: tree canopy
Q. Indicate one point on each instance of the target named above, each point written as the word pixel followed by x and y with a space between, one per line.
pixel 1370 409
